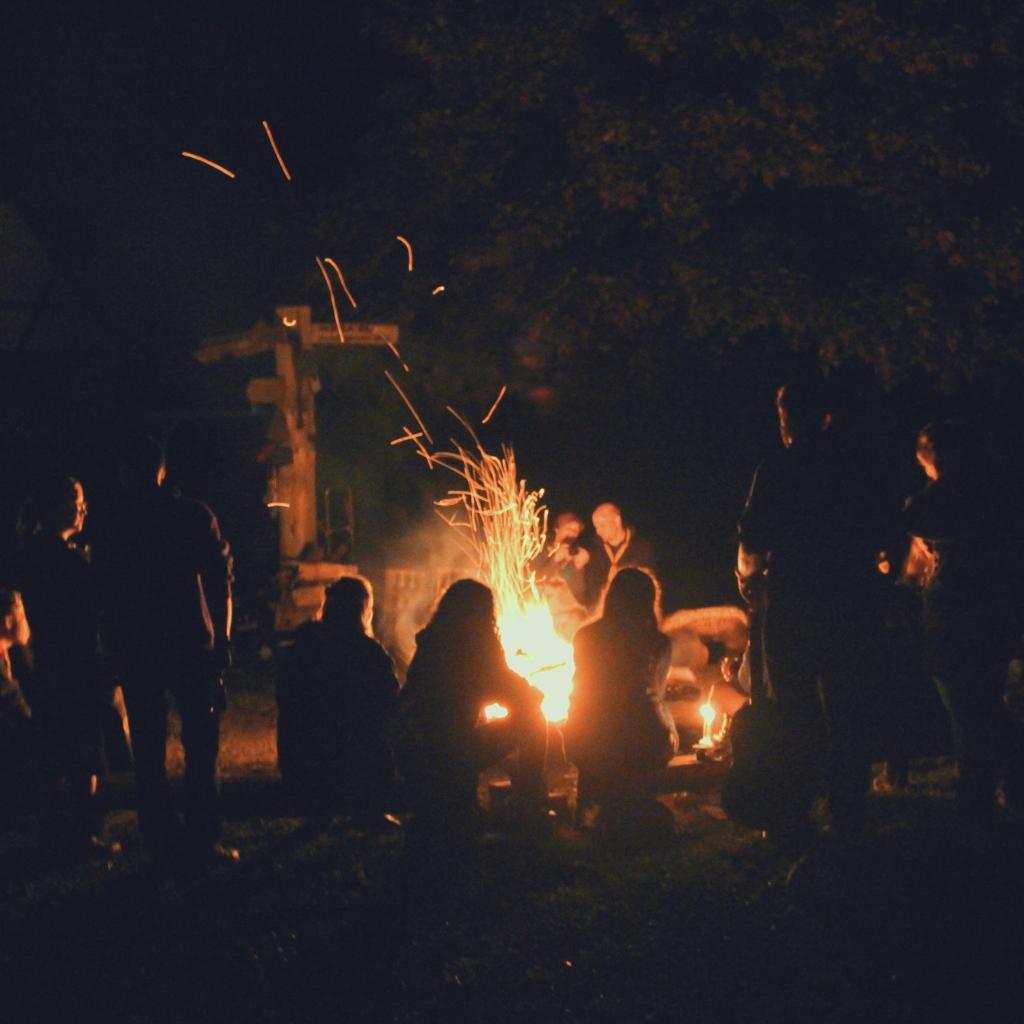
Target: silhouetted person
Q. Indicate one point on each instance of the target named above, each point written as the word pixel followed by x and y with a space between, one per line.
pixel 619 731
pixel 809 541
pixel 442 740
pixel 616 546
pixel 67 686
pixel 562 575
pixel 973 606
pixel 165 575
pixel 17 738
pixel 336 688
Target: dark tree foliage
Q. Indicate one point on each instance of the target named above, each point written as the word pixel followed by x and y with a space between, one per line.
pixel 621 182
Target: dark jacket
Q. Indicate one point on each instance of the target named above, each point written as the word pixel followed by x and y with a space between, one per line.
pixel 619 729
pixel 165 578
pixel 14 709
pixel 451 679
pixel 58 589
pixel 634 551
pixel 335 690
pixel 816 521
pixel 973 601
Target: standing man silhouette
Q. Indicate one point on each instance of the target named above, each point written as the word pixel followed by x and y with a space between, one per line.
pixel 165 577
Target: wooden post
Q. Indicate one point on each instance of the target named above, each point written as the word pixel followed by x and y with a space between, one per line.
pixel 291 487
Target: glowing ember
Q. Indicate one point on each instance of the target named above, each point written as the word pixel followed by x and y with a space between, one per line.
pixel 493 711
pixel 203 160
pixel 342 280
pixel 501 395
pixel 334 304
pixel 503 527
pixel 411 409
pixel 276 153
pixel 409 247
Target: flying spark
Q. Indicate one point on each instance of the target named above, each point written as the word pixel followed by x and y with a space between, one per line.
pixel 409 404
pixel 334 305
pixel 409 247
pixel 203 160
pixel 501 395
pixel 276 153
pixel 287 322
pixel 342 280
pixel 405 365
pixel 409 436
pixel 439 288
pixel 278 504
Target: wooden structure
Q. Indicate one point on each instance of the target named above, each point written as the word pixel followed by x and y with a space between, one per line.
pixel 291 487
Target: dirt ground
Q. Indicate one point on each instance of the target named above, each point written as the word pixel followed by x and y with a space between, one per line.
pixel 518 921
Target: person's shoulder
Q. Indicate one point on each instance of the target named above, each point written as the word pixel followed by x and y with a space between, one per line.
pixel 589 634
pixel 369 647
pixel 308 635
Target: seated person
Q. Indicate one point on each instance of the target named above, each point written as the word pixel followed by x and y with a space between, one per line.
pixel 615 547
pixel 16 736
pixel 562 575
pixel 619 730
pixel 335 691
pixel 442 740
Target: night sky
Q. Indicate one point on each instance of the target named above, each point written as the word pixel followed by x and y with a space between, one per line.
pixel 153 252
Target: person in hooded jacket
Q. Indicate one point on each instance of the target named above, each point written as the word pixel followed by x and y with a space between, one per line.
pixel 619 731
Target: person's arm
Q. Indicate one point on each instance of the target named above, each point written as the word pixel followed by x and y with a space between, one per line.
pixel 215 568
pixel 12 700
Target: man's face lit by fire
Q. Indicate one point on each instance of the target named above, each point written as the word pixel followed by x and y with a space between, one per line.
pixel 608 524
pixel 926 458
pixel 74 518
pixel 14 628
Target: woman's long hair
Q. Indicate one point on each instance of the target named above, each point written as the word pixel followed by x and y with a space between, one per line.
pixel 349 604
pixel 48 507
pixel 633 601
pixel 466 609
pixel 956 446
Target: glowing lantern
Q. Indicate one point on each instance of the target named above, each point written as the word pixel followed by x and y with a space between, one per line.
pixel 708 713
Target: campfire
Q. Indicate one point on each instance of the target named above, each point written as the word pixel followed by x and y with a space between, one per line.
pixel 502 527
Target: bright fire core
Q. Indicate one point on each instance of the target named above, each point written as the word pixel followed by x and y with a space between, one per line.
pixel 502 524
pixel 534 650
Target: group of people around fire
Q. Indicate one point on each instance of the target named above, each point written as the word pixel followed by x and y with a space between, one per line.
pixel 146 609
pixel 822 564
